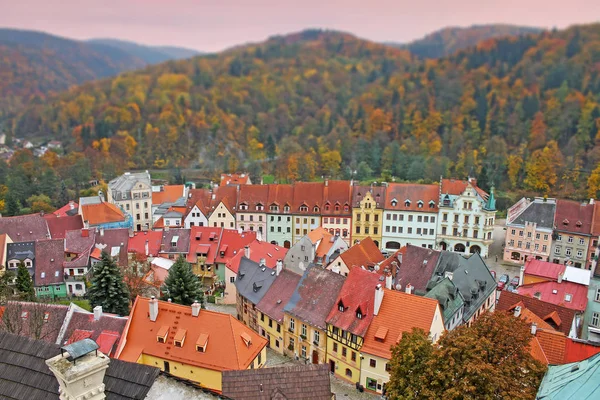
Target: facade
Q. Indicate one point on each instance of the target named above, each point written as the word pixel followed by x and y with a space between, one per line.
pixel 364 254
pixel 132 192
pixel 410 215
pixel 466 220
pixel 196 216
pixel 529 227
pixel 367 213
pixel 451 302
pixel 49 280
pixel 279 218
pixel 395 313
pixel 222 216
pixel 572 233
pixel 77 265
pixel 252 283
pixel 318 247
pixel 189 343
pixel 337 209
pixel 251 214
pixel 348 322
pixel 591 318
pixel 306 208
pixel 17 253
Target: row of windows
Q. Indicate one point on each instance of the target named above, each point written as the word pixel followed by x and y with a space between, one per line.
pixel 536 246
pixel 529 234
pixel 305 221
pixel 367 217
pixel 289 219
pixel 420 231
pixel 344 352
pixel 400 217
pixel 465 233
pixel 568 251
pixel 252 218
pixel 335 220
pixel 466 219
pixel 137 206
pixel 570 239
pixel 366 230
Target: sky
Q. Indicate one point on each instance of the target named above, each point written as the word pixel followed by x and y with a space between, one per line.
pixel 213 25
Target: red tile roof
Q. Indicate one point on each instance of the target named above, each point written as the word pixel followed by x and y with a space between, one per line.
pixel 109 239
pixel 573 217
pixel 183 241
pixel 508 301
pixel 50 329
pixel 357 294
pixel 137 243
pixel 337 193
pixel 58 226
pixel 553 344
pixel 68 209
pixel 168 194
pixel 51 255
pixel 25 228
pixel 416 266
pixel 536 351
pixel 253 195
pixel 204 240
pixel 366 253
pixel 226 348
pixel 309 194
pixel 278 295
pixel 232 243
pixel 258 250
pixel 226 194
pixel 577 350
pixel 234 179
pixel 101 213
pixel 457 187
pixel 324 238
pixel 199 197
pixel 104 331
pixel 401 192
pixel 399 313
pixel 543 269
pixel 280 195
pixel 556 293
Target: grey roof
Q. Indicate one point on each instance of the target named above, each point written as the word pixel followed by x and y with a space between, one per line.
pixel 127 181
pixel 87 201
pixel 292 383
pixel 579 380
pixel 173 214
pixel 24 374
pixel 539 213
pixel 20 251
pixel 449 297
pixel 183 240
pixel 470 275
pixel 253 280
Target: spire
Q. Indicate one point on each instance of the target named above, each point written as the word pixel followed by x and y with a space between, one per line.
pixel 490 205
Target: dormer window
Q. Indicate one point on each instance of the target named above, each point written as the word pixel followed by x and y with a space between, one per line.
pixel 243 206
pixel 174 241
pixel 568 297
pixel 346 208
pixel 286 208
pixel 274 207
pixel 24 315
pixel 202 342
pixel 303 208
pixel 420 204
pixel 179 337
pixel 161 335
pixel 327 207
pixel 341 306
pixel 446 201
pixel 359 313
pixel 247 339
pixel 316 209
pixel 565 222
pixel 46 316
pixel 394 202
pixel 407 203
pixel 578 224
pixel 259 207
pixel 43 275
pixel 337 207
pixel 432 204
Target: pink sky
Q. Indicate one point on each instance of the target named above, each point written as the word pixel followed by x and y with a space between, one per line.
pixel 212 25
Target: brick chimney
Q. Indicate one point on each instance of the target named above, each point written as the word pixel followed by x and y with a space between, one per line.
pixel 196 308
pixel 85 232
pixel 153 308
pixel 247 252
pixel 378 299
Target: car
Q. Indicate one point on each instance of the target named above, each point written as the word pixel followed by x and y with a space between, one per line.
pixel 500 286
pixel 504 279
pixel 511 288
pixel 515 281
pixel 493 274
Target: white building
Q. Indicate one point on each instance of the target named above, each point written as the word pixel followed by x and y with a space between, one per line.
pixel 133 193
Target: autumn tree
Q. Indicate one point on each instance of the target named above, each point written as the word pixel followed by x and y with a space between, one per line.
pixel 542 169
pixel 594 183
pixel 108 288
pixel 489 360
pixel 38 321
pixel 537 136
pixel 181 285
pixel 133 276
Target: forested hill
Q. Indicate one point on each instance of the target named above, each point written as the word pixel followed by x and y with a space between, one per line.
pixel 150 54
pixel 449 40
pixel 519 112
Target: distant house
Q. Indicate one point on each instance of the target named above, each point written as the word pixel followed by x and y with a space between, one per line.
pixel 25 228
pixel 363 254
pixel 58 226
pixel 54 145
pixel 235 179
pixel 132 192
pixel 318 246
pixel 71 208
pixel 104 215
pixel 572 233
pixel 146 244
pixel 49 277
pixel 79 245
pixel 252 282
pixel 17 253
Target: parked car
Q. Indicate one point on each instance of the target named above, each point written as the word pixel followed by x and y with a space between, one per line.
pixel 504 279
pixel 500 286
pixel 515 281
pixel 493 274
pixel 511 288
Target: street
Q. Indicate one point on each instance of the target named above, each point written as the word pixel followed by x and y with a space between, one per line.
pixel 494 260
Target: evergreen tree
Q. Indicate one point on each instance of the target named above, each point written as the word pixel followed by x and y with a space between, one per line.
pixel 108 288
pixel 24 283
pixel 182 286
pixel 63 196
pixel 12 206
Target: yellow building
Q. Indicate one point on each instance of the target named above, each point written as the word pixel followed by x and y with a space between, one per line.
pixel 367 213
pixel 395 313
pixel 348 322
pixel 189 343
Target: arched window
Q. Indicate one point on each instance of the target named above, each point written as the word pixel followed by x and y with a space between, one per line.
pixel 348 373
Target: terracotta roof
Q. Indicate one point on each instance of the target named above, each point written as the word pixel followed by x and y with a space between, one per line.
pixel 79 241
pixel 112 241
pixel 232 243
pixel 553 344
pixel 577 350
pixel 252 195
pixel 204 240
pixel 573 217
pixel 58 226
pixel 366 253
pixel 337 193
pixel 508 301
pixel 71 208
pixel 359 192
pixel 258 250
pixel 279 294
pixel 416 266
pixel 310 303
pixel 225 350
pixel 25 228
pixel 50 262
pixel 137 243
pixel 226 194
pixel 309 194
pixel 297 382
pixel 234 179
pixel 325 239
pixel 399 312
pixel 107 329
pixel 531 318
pixel 543 269
pixel 168 194
pixel 357 295
pixel 408 195
pixel 536 351
pixel 557 293
pixel 457 187
pixel 183 241
pixel 199 197
pixel 101 213
pixel 280 195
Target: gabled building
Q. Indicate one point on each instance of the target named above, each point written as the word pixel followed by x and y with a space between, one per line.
pixel 79 245
pixel 145 244
pixel 223 207
pixel 396 313
pixel 115 242
pixel 58 226
pixel 337 209
pixel 572 233
pixel 306 208
pixel 451 302
pixel 68 210
pixel 17 253
pixel 410 215
pixel 198 211
pixel 279 215
pixel 318 247
pixel 175 243
pixel 348 322
pixel 367 213
pixel 363 254
pixel 529 227
pixel 252 282
pixel 132 192
pixel 104 215
pixel 25 228
pixel 305 315
pixel 189 343
pixel 49 277
pixel 203 247
pixel 235 179
pixel 466 220
pixel 252 204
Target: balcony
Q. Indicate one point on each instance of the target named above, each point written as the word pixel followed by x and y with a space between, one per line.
pixel 75 278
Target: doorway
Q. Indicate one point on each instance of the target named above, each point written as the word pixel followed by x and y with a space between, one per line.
pixel 167 367
pixel 332 366
pixel 315 357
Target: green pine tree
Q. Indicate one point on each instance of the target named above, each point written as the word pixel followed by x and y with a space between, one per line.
pixel 24 283
pixel 12 206
pixel 108 288
pixel 182 286
pixel 63 196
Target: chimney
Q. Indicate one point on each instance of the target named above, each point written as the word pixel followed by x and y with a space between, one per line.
pixel 560 277
pixel 196 308
pixel 591 201
pixel 146 248
pixel 394 269
pixel 263 262
pixel 162 247
pixel 153 308
pixel 247 252
pixel 449 275
pixel 388 281
pixel 517 311
pixel 97 313
pixel 81 377
pixel 326 182
pixel 85 232
pixel 521 275
pixel 378 299
pixel 42 213
pixel 409 289
pixel 533 329
pixel 279 266
pixel 71 204
pixel 214 196
pixel 102 232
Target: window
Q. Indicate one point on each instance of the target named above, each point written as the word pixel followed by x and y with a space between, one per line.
pixel 544 248
pixel 545 237
pixel 335 347
pixel 581 241
pixel 537 236
pixel 291 346
pixel 292 324
pixel 466 219
pixel 568 297
pixel 559 237
pixel 373 363
pixel 388 368
pixel 348 373
pixel 579 253
pixel 43 275
pixel 595 319
pixel 410 218
pixel 513 231
pixel 529 234
pixel 570 239
pixel 344 352
pixel 456 219
pixel 353 356
pixel 316 337
pixel 521 233
pixel 302 352
pixel 303 330
pixel 475 233
pixel 557 250
pixel 568 251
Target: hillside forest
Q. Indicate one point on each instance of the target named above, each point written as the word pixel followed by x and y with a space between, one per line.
pixel 520 113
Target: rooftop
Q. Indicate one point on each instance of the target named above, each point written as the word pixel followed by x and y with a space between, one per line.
pixel 235 179
pixel 25 228
pixel 537 212
pixel 572 381
pixel 49 267
pixel 168 194
pixel 115 243
pixel 127 181
pixel 137 243
pixel 71 208
pixel 253 280
pixel 567 294
pixel 279 294
pixel 258 250
pixel 543 269
pixel 58 226
pixel 412 197
pixel 366 253
pixel 574 217
pixel 449 297
pixel 102 213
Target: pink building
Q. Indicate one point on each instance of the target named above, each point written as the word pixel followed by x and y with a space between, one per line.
pixel 529 230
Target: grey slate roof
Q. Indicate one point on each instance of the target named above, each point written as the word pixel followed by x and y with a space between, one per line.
pixel 449 297
pixel 470 275
pixel 292 383
pixel 24 374
pixel 541 214
pixel 127 181
pixel 253 281
pixel 20 251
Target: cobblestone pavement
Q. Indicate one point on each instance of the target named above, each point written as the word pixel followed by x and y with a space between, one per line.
pixel 224 308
